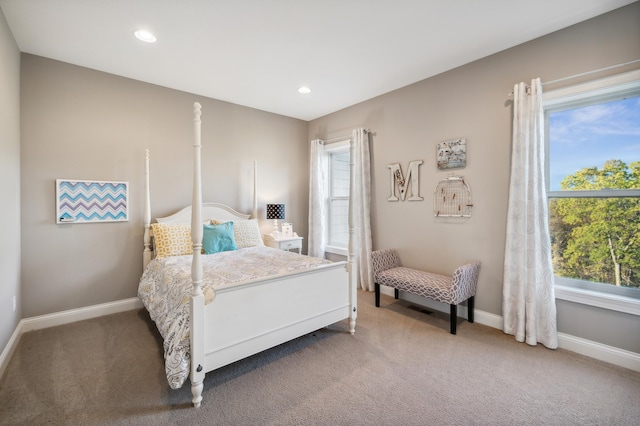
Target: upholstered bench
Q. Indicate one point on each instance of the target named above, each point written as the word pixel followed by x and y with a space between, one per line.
pixel 455 289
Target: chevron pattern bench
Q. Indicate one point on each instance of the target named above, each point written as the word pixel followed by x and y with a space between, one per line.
pixel 455 289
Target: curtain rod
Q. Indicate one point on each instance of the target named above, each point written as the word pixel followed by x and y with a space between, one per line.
pixel 582 74
pixel 343 137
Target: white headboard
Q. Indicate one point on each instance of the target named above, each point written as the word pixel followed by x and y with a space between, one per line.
pixel 208 211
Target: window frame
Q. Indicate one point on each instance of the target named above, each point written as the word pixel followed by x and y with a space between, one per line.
pixel 625 300
pixel 339 147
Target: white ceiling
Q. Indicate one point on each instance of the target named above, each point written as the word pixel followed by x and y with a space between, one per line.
pixel 258 52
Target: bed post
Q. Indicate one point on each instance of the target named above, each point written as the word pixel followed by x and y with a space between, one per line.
pixel 197 298
pixel 146 254
pixel 351 267
pixel 254 210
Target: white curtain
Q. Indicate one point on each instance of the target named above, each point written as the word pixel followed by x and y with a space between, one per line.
pixel 318 189
pixel 360 202
pixel 528 303
pixel 360 198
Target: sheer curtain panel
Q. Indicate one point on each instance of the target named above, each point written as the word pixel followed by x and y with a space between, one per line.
pixel 318 188
pixel 528 303
pixel 361 204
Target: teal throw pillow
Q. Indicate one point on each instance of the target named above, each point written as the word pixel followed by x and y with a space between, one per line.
pixel 218 238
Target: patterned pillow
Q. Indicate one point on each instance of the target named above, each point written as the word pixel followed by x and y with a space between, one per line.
pixel 172 239
pixel 247 233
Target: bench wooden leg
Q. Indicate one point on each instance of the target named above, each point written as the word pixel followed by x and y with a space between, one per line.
pixel 396 293
pixel 470 309
pixel 454 318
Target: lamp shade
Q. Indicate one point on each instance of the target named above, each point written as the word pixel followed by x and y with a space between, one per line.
pixel 275 211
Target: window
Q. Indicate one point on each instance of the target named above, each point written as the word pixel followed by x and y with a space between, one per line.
pixel 593 184
pixel 338 198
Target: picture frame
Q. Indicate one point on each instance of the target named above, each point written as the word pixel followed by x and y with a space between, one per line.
pixel 452 154
pixel 87 201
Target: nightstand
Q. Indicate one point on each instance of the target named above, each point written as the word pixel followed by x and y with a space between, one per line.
pixel 284 243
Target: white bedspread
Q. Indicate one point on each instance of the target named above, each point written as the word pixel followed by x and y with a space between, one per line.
pixel 165 290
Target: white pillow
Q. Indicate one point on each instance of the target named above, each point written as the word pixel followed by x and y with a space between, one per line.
pixel 247 233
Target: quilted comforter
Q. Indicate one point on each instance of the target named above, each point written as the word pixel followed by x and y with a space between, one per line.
pixel 165 290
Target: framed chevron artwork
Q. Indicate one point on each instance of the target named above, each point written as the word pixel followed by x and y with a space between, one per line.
pixel 87 201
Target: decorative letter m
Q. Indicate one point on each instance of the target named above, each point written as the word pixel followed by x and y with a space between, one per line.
pixel 399 182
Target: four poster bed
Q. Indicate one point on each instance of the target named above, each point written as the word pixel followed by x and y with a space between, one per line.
pixel 215 309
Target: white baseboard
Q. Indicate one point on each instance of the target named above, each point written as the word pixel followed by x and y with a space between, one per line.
pixel 10 348
pixel 599 351
pixel 64 317
pixel 73 315
pixel 488 319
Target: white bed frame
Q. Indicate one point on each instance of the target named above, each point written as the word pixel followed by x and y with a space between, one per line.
pixel 250 317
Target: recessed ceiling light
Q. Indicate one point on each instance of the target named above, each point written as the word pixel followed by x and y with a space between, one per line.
pixel 304 90
pixel 145 36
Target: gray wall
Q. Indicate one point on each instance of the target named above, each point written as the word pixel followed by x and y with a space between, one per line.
pixel 9 183
pixel 78 123
pixel 472 102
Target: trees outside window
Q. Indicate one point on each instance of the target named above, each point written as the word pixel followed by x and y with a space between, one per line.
pixel 598 239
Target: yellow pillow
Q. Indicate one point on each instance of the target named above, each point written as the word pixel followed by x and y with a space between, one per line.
pixel 172 239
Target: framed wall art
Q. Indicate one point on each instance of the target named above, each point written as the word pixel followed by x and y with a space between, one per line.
pixel 452 154
pixel 87 201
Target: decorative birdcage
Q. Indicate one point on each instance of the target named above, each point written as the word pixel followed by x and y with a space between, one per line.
pixel 452 198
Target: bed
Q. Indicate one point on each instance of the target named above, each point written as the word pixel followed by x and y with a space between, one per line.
pixel 217 308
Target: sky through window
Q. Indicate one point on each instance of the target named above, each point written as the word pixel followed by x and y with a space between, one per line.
pixel 590 135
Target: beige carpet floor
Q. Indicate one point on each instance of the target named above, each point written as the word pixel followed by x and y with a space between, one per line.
pixel 402 367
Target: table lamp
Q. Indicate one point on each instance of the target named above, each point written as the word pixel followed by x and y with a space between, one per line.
pixel 275 212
